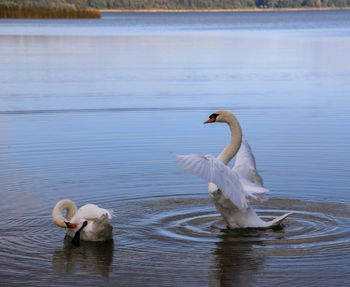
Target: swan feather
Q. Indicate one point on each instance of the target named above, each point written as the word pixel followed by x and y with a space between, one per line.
pixel 234 187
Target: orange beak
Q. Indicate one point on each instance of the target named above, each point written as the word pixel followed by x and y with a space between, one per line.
pixel 71 225
pixel 210 120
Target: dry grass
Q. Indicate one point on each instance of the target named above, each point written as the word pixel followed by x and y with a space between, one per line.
pixel 15 11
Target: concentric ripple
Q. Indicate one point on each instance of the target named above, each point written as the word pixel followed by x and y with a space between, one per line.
pixel 314 225
pixel 186 235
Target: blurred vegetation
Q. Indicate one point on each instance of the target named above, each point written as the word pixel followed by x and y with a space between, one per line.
pixel 214 4
pixel 210 4
pixel 77 5
pixel 46 9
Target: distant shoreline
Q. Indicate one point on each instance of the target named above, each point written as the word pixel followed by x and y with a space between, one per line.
pixel 226 10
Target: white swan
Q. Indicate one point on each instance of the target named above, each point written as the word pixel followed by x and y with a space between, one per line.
pixel 231 188
pixel 90 222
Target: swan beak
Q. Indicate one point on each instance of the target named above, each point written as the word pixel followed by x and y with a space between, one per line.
pixel 70 225
pixel 211 120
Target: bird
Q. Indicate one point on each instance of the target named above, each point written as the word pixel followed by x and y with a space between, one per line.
pixel 231 189
pixel 88 223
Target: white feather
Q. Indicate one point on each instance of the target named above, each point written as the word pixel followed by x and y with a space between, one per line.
pixel 233 186
pixel 245 165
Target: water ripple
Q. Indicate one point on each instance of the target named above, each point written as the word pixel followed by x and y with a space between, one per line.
pixel 312 227
pixel 178 229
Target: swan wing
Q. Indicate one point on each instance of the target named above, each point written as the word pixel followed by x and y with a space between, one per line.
pixel 252 190
pixel 245 167
pixel 92 212
pixel 212 170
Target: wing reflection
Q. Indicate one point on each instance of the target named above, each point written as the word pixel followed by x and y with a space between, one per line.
pixel 235 261
pixel 92 257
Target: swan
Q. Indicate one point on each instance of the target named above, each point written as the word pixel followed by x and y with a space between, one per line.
pixel 89 222
pixel 231 189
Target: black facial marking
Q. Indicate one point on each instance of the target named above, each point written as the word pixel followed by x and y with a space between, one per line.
pixel 67 224
pixel 76 238
pixel 84 224
pixel 214 115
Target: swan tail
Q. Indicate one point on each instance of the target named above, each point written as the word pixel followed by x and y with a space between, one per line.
pixel 102 228
pixel 277 221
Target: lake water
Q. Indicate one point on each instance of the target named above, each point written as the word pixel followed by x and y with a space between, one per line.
pixel 95 110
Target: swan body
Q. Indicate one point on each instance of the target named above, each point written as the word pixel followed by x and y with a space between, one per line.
pixel 89 222
pixel 231 189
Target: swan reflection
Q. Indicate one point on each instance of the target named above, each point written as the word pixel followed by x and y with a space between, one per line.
pixel 91 257
pixel 235 261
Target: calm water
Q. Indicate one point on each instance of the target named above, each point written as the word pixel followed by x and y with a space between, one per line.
pixel 94 110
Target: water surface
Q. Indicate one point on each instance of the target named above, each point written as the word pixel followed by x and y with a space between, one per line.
pixel 94 111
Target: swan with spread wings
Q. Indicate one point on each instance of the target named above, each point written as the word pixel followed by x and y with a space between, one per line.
pixel 231 189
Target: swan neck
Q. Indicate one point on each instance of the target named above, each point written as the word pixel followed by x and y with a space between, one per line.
pixel 235 142
pixel 57 212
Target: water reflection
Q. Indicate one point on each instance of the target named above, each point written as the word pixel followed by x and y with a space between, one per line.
pixel 235 261
pixel 90 257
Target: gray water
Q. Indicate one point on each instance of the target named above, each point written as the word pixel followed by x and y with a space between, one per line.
pixel 95 110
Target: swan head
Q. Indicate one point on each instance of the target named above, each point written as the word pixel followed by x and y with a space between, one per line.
pixel 220 116
pixel 74 230
pixel 70 225
pixel 76 224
